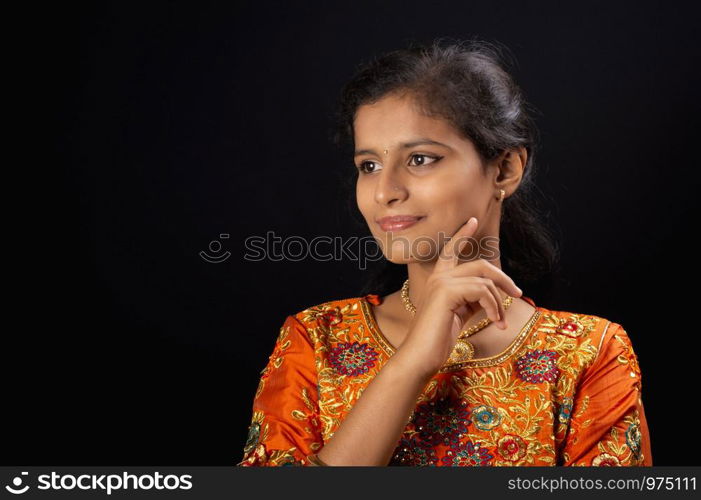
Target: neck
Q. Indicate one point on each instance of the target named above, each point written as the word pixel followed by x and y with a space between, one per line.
pixel 419 272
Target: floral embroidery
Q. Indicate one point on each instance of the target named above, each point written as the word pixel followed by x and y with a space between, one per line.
pixel 254 432
pixel 352 358
pixel 633 438
pixel 571 328
pixel 538 366
pixel 629 358
pixel 572 325
pixel 500 413
pixel 605 460
pixel 470 455
pixel 512 447
pixel 565 410
pixel 261 386
pixel 414 452
pixel 486 417
pixel 443 421
pixel 255 451
pixel 614 451
pixel 262 457
pixel 275 359
pixel 331 317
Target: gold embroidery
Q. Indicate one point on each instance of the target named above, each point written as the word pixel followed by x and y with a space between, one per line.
pixel 330 323
pixel 514 422
pixel 601 341
pixel 622 447
pixel 629 358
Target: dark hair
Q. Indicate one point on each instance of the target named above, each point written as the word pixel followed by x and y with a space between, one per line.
pixel 465 83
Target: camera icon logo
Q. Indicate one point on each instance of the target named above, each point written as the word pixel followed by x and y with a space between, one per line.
pixel 215 247
pixel 17 482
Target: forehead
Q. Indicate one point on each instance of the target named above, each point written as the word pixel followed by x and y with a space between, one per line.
pixel 394 118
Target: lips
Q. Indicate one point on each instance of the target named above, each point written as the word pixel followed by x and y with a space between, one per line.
pixel 398 222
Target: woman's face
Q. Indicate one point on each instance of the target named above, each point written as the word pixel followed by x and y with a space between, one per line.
pixel 443 184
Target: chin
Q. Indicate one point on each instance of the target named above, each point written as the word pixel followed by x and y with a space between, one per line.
pixel 407 250
pixel 399 261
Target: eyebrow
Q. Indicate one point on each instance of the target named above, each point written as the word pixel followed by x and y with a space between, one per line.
pixel 406 145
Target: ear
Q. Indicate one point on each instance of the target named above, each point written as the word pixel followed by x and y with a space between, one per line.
pixel 510 169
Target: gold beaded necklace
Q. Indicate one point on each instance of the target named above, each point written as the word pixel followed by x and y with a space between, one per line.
pixel 463 350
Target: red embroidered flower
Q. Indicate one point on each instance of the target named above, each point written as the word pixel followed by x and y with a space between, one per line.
pixel 570 328
pixel 330 317
pixel 538 366
pixel 512 447
pixel 352 358
pixel 442 422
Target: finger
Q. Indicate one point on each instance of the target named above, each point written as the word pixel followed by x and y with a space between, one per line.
pixel 472 289
pixel 494 304
pixel 447 259
pixel 501 322
pixel 464 312
pixel 494 292
pixel 485 269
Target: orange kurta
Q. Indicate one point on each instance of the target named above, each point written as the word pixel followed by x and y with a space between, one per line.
pixel 567 391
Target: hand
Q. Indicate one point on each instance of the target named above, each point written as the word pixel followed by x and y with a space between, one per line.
pixel 452 294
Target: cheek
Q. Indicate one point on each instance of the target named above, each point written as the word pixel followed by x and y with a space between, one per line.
pixel 451 206
pixel 365 202
pixel 362 199
pixel 448 198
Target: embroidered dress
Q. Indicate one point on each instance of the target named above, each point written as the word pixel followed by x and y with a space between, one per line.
pixel 566 392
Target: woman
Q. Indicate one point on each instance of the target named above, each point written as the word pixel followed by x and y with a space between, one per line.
pixel 444 147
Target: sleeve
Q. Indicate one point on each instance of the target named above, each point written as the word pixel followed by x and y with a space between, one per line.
pixel 608 425
pixel 285 426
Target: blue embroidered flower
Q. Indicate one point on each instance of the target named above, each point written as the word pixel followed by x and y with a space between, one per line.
pixel 538 366
pixel 352 359
pixel 565 410
pixel 633 438
pixel 470 455
pixel 253 437
pixel 486 417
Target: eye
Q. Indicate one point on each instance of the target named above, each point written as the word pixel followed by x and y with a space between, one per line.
pixel 423 162
pixel 362 168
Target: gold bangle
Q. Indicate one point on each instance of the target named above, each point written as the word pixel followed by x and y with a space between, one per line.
pixel 314 460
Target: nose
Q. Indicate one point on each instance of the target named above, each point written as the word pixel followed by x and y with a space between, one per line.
pixel 390 186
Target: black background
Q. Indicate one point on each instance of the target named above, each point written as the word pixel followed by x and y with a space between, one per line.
pixel 178 122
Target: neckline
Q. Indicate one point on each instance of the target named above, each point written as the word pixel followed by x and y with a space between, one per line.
pixel 515 345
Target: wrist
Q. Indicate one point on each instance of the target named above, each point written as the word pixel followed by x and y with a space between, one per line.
pixel 410 363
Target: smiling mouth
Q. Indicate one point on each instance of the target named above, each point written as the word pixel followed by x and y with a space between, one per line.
pixel 396 226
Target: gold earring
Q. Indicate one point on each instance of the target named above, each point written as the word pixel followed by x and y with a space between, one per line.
pixel 501 198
